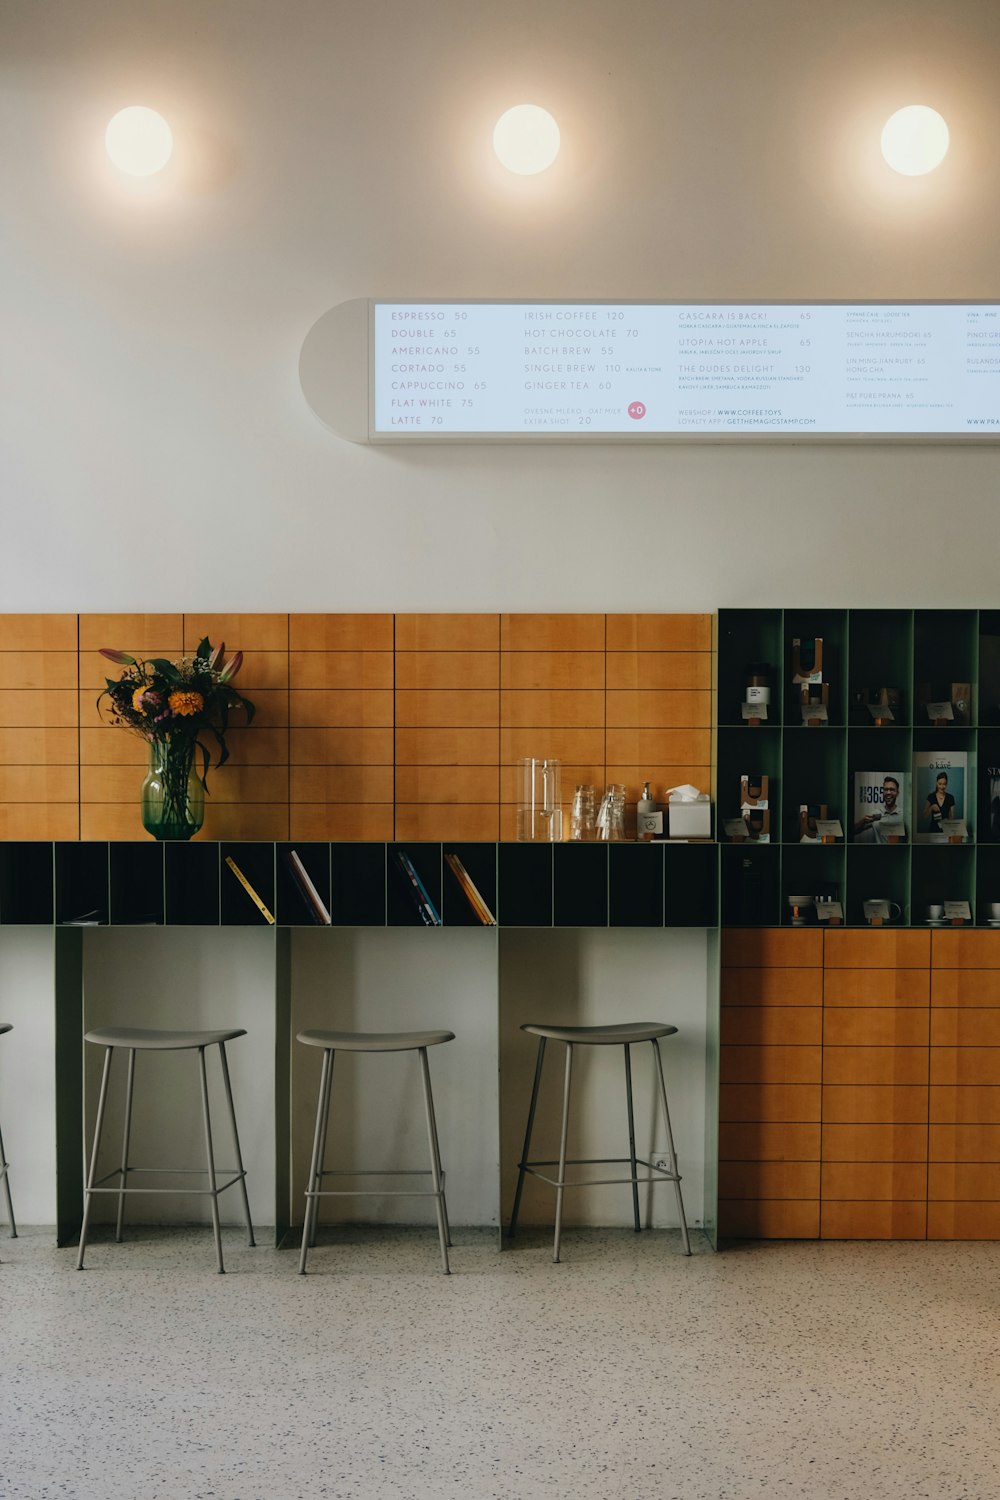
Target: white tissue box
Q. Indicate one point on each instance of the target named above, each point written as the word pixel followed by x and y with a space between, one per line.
pixel 690 820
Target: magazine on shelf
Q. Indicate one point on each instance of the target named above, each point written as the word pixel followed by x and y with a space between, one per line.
pixel 939 795
pixel 470 890
pixel 993 801
pixel 429 913
pixel 877 809
pixel 309 893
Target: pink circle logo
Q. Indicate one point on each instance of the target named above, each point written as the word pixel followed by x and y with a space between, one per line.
pixel 637 411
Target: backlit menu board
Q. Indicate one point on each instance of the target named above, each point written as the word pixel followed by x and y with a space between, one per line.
pixel 633 370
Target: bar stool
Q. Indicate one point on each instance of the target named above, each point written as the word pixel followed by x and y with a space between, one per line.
pixel 6 1026
pixel 625 1035
pixel 137 1039
pixel 333 1042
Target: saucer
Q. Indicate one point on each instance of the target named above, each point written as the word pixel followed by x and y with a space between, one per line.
pixel 940 922
pixel 993 922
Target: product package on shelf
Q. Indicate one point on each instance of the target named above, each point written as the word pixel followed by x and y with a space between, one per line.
pixel 877 813
pixel 940 801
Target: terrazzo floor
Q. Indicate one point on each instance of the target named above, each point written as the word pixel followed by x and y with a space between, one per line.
pixel 788 1370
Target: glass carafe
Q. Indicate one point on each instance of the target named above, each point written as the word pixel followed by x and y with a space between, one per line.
pixel 539 814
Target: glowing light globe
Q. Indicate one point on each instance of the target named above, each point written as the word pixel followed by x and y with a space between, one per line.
pixel 139 141
pixel 915 140
pixel 526 139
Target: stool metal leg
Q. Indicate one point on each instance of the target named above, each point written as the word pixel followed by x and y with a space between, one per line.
pixel 675 1169
pixel 126 1134
pixel 442 1215
pixel 437 1157
pixel 236 1143
pixel 210 1160
pixel 324 1137
pixel 527 1136
pixel 6 1191
pixel 631 1137
pixel 562 1151
pixel 316 1164
pixel 88 1196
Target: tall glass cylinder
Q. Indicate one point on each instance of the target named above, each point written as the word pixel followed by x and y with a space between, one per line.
pixel 539 813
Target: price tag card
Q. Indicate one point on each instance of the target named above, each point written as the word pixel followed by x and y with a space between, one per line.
pixel 827 909
pixel 957 911
pixel 881 711
pixel 940 711
pixel 814 711
pixel 955 828
pixel 755 710
pixel 829 828
pixel 735 828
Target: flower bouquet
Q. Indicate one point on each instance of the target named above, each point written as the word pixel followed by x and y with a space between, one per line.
pixel 175 706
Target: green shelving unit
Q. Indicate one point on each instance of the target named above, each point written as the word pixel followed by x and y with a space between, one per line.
pixel 924 654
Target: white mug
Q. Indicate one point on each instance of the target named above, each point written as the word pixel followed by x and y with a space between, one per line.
pixel 935 911
pixel 995 911
pixel 878 906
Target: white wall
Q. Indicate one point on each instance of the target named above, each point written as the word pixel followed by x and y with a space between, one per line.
pixel 156 450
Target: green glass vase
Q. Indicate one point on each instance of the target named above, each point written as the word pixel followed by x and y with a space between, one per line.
pixel 173 799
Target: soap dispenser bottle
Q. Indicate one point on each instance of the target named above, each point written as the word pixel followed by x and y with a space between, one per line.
pixel 649 820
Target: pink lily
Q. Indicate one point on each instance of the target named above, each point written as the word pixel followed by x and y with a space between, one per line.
pixel 231 668
pixel 121 657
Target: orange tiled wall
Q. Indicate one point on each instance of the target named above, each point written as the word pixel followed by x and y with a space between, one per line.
pixel 861 1085
pixel 371 726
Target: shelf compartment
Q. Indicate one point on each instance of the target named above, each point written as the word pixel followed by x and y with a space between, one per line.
pixel 81 877
pixel 746 752
pixel 580 885
pixel 988 697
pixel 880 655
pixel 256 860
pixel 358 885
pixel 945 651
pixel 293 908
pixel 750 885
pixel 27 883
pixel 812 870
pixel 877 871
pixel 137 884
pixel 635 885
pixel 191 884
pixel 831 626
pixel 941 873
pixel 400 907
pixel 524 896
pixel 748 636
pixel 813 773
pixel 480 861
pixel 690 885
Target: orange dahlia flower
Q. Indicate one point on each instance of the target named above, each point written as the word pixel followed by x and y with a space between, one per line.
pixel 185 702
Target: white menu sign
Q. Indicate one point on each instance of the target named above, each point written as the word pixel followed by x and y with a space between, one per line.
pixel 685 370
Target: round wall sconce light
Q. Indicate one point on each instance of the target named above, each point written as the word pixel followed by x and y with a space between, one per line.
pixel 526 139
pixel 139 141
pixel 915 140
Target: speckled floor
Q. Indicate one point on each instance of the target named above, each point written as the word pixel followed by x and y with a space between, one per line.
pixel 790 1370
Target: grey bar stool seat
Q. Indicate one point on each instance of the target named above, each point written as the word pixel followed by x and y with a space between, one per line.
pixel 333 1042
pixel 6 1026
pixel 135 1039
pixel 626 1035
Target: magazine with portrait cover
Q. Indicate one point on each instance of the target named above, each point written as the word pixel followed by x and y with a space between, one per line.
pixel 877 809
pixel 939 794
pixel 993 801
